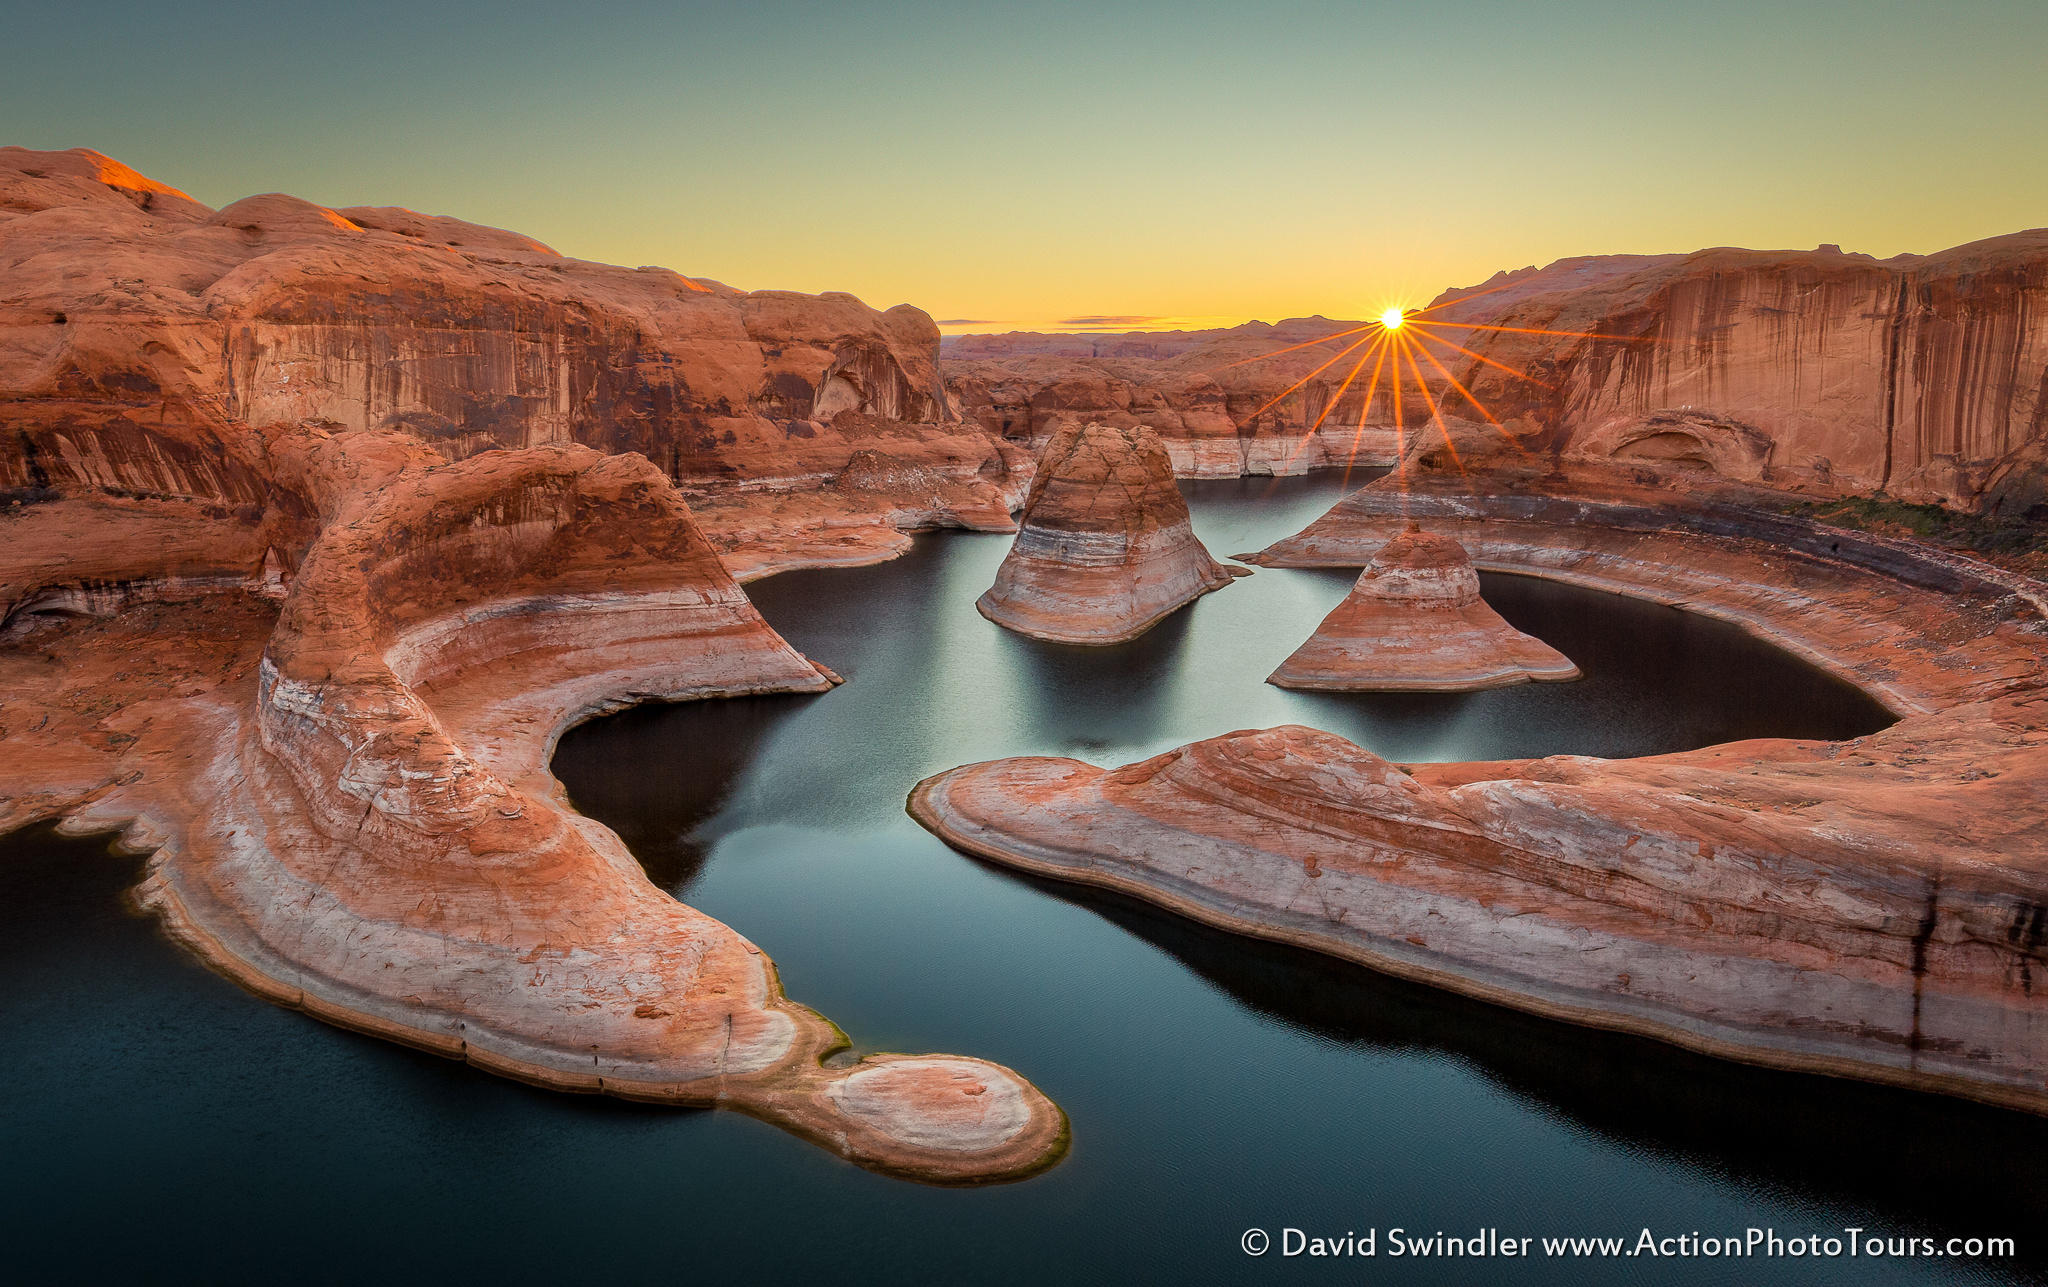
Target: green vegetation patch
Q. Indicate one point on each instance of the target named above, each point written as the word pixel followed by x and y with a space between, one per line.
pixel 2015 541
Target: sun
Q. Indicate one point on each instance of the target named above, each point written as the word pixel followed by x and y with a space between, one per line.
pixel 1396 345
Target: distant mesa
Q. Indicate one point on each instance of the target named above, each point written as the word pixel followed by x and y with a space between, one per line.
pixel 1105 550
pixel 1415 622
pixel 1091 321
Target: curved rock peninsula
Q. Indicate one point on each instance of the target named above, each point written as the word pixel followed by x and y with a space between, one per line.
pixel 1104 549
pixel 313 547
pixel 1414 622
pixel 1876 908
pixel 384 847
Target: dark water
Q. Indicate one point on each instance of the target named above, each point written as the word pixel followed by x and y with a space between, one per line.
pixel 162 1125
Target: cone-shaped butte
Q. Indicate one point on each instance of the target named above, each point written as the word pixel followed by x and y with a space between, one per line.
pixel 1414 622
pixel 1105 550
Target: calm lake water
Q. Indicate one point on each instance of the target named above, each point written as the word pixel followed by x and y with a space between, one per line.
pixel 163 1125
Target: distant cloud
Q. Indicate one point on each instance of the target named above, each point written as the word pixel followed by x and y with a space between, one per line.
pixel 1112 319
pixel 964 321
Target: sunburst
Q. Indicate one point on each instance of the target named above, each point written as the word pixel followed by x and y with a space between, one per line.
pixel 1398 338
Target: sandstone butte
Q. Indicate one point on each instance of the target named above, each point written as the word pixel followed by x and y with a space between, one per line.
pixel 1875 908
pixel 1414 622
pixel 1104 550
pixel 318 527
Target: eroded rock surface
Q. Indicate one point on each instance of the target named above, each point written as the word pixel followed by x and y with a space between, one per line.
pixel 1212 397
pixel 1871 908
pixel 1920 377
pixel 320 527
pixel 1105 548
pixel 150 345
pixel 1415 622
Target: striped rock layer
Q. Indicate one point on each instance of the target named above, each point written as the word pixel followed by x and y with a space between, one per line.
pixel 1414 622
pixel 1104 549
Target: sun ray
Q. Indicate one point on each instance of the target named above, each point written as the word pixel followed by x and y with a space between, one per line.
pixel 1531 330
pixel 1395 386
pixel 1436 415
pixel 1481 357
pixel 1400 444
pixel 1331 405
pixel 1477 405
pixel 1337 397
pixel 1283 394
pixel 1372 390
pixel 1396 338
pixel 1307 439
pixel 1305 344
pixel 1445 371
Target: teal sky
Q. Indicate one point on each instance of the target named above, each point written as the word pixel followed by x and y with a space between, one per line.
pixel 1022 165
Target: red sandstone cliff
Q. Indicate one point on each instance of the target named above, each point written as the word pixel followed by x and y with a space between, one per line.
pixel 152 347
pixel 1925 378
pixel 1921 377
pixel 1208 395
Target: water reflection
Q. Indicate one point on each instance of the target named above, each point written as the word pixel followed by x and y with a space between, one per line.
pixel 1068 695
pixel 656 804
pixel 1913 1161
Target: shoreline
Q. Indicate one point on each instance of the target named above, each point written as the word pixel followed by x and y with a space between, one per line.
pixel 1897 931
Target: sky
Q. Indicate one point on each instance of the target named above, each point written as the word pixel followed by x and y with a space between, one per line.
pixel 1034 166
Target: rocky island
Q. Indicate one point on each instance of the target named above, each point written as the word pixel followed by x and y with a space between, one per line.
pixel 1104 550
pixel 1414 622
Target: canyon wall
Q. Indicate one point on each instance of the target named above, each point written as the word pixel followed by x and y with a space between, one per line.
pixel 1212 397
pixel 152 349
pixel 1923 378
